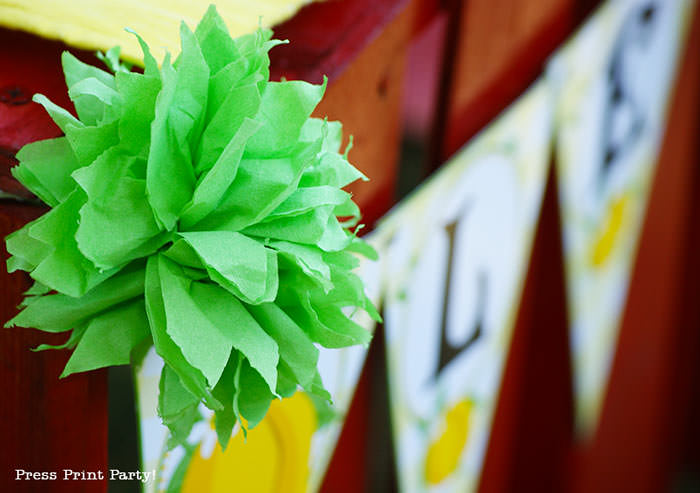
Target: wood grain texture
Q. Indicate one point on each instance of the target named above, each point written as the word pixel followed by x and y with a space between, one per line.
pixel 46 424
pixel 498 48
pixel 327 37
pixel 366 97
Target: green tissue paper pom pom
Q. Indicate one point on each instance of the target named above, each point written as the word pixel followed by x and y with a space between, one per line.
pixel 195 207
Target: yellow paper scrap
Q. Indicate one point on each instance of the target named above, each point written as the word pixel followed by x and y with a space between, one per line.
pixel 99 24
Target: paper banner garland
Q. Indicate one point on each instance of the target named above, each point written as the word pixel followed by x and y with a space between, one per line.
pixel 458 251
pixel 288 451
pixel 195 207
pixel 613 81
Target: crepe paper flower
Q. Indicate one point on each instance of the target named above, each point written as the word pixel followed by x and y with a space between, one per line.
pixel 194 206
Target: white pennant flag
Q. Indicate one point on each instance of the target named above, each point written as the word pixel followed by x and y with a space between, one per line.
pixel 613 81
pixel 457 253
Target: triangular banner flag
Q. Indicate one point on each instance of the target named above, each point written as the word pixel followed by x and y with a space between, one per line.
pixel 458 251
pixel 613 81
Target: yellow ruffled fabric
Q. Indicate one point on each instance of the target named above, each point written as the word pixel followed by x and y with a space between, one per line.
pixel 99 24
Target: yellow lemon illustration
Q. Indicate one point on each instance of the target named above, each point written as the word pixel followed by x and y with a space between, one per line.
pixel 607 237
pixel 275 457
pixel 444 453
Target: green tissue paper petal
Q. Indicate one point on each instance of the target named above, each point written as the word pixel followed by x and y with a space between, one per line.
pixel 114 198
pixel 207 349
pixel 284 108
pixel 215 41
pixel 45 169
pixel 192 379
pixel 173 398
pixel 241 103
pixel 60 312
pixel 225 391
pixel 109 338
pixel 244 332
pixel 252 397
pixel 111 59
pixel 72 341
pixel 177 407
pixel 238 263
pixel 52 239
pixel 139 93
pixel 296 349
pixel 198 207
pixel 286 382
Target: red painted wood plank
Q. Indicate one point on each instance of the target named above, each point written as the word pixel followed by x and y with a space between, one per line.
pixel 366 97
pixel 533 426
pixel 29 65
pixel 326 37
pixel 46 424
pixel 498 48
